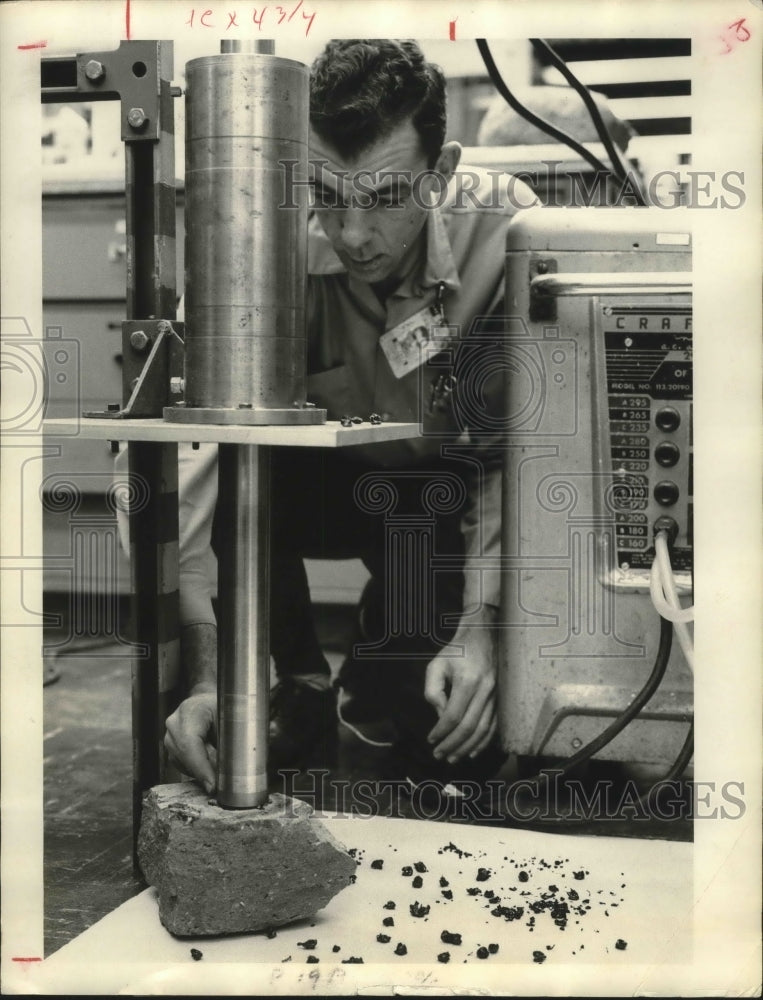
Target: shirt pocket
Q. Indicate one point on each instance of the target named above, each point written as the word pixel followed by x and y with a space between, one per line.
pixel 331 390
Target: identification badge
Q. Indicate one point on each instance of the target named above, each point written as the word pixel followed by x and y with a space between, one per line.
pixel 418 338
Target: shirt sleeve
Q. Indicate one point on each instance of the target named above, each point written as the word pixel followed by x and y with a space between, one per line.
pixel 197 498
pixel 481 528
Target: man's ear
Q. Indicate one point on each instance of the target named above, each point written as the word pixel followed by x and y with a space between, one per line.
pixel 449 158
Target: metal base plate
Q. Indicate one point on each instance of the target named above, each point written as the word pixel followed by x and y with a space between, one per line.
pixel 257 416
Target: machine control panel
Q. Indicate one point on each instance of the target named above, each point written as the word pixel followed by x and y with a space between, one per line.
pixel 647 355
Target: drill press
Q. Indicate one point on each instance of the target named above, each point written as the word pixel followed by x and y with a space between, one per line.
pixel 246 861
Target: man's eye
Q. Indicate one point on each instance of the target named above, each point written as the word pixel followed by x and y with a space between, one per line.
pixel 390 201
pixel 324 199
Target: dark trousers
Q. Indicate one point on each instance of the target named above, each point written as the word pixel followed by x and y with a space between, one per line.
pixel 405 526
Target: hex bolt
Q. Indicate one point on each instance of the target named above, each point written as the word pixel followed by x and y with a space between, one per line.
pixel 139 340
pixel 136 118
pixel 177 384
pixel 577 743
pixel 94 70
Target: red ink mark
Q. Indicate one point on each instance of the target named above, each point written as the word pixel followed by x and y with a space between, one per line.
pixel 741 34
pixel 258 20
pixel 35 959
pixel 452 30
pixel 207 13
pixel 127 20
pixel 231 20
pixel 295 11
pixel 309 18
pixel 33 45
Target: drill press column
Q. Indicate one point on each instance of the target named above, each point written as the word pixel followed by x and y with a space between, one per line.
pixel 246 240
pixel 246 861
pixel 243 635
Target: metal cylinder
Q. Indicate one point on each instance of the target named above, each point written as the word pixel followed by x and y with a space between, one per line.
pixel 246 240
pixel 243 647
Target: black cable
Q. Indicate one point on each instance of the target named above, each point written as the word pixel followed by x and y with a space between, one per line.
pixel 556 133
pixel 630 712
pixel 541 45
pixel 679 766
pixel 614 728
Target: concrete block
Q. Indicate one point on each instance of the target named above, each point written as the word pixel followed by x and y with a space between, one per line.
pixel 231 871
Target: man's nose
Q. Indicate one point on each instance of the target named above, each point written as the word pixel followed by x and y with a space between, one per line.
pixel 356 227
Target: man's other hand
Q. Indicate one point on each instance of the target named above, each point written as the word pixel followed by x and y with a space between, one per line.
pixel 461 685
pixel 191 738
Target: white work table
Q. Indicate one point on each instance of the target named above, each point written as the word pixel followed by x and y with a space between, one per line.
pixel 635 891
pixel 329 435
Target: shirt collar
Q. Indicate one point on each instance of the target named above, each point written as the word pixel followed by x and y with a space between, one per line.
pixel 439 265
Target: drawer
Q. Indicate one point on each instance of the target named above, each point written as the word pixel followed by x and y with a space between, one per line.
pixel 83 355
pixel 83 556
pixel 84 247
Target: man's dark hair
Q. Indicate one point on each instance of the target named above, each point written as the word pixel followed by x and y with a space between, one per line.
pixel 361 89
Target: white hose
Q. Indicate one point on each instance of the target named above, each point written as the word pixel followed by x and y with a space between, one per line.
pixel 665 597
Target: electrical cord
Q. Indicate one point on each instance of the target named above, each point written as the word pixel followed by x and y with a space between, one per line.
pixel 612 730
pixel 629 713
pixel 556 133
pixel 618 167
pixel 662 589
pixel 353 729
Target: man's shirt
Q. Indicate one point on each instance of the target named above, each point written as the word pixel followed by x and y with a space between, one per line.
pixel 348 374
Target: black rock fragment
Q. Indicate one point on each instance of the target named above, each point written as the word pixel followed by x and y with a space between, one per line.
pixel 450 937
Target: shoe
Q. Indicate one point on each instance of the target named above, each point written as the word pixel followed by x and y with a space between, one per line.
pixel 303 726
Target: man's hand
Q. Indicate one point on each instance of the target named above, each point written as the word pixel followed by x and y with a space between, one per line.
pixel 461 686
pixel 191 738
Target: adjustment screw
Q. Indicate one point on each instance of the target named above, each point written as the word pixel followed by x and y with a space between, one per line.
pixel 136 118
pixel 139 340
pixel 94 70
pixel 375 418
pixel 177 385
pixel 345 421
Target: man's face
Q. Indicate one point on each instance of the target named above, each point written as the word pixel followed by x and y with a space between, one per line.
pixel 372 208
